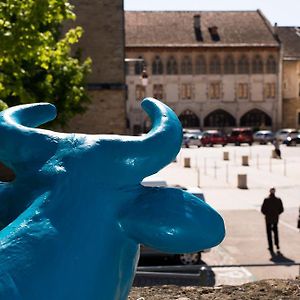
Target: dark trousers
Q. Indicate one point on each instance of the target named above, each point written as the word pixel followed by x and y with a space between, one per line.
pixel 272 227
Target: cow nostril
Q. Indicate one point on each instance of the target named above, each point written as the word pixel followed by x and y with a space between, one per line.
pixel 6 174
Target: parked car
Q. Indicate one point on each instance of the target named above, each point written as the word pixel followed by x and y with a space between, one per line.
pixel 292 139
pixel 213 137
pixel 282 134
pixel 241 135
pixel 191 137
pixel 263 137
pixel 182 258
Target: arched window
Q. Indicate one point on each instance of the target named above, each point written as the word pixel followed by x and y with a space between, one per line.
pixel 243 65
pixel 271 64
pixel 219 118
pixel 215 65
pixel 189 119
pixel 256 118
pixel 139 66
pixel 157 66
pixel 229 65
pixel 172 66
pixel 257 65
pixel 186 65
pixel 200 65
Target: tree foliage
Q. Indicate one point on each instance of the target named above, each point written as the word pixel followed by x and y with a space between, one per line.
pixel 35 60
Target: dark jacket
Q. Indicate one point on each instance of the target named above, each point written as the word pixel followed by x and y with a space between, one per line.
pixel 272 208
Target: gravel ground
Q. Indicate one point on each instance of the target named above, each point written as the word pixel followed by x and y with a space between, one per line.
pixel 275 289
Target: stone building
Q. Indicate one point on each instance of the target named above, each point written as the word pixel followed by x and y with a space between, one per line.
pixel 214 69
pixel 290 38
pixel 103 41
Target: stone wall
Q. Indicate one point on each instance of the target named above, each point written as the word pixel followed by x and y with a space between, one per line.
pixel 103 41
pixel 291 93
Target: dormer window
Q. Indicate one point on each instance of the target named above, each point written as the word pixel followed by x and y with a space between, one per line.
pixel 214 33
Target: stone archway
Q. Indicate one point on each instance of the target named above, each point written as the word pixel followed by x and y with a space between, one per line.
pixel 219 118
pixel 189 119
pixel 256 118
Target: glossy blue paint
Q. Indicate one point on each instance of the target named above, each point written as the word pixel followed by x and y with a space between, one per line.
pixel 76 213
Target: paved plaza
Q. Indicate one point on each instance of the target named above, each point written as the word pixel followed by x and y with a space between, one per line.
pixel 245 241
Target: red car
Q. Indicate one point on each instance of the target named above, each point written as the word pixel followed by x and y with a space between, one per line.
pixel 241 135
pixel 213 137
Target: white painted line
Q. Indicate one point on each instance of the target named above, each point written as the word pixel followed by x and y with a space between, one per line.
pixel 288 226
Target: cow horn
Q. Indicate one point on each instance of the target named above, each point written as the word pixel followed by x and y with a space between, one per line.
pixel 20 144
pixel 161 144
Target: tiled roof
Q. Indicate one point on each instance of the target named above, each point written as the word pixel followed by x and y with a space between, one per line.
pixel 290 38
pixel 176 28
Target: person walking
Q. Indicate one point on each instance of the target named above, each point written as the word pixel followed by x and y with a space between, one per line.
pixel 298 223
pixel 272 207
pixel 276 144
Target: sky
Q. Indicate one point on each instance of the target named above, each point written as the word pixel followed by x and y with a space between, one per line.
pixel 282 12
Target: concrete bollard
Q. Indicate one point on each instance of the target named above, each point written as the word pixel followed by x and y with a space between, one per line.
pixel 242 181
pixel 245 161
pixel 187 162
pixel 225 155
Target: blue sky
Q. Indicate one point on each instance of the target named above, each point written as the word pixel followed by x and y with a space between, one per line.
pixel 284 12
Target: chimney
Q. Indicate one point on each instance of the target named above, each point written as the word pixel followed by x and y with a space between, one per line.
pixel 197 28
pixel 197 21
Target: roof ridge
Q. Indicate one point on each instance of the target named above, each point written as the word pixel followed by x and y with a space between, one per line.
pixel 189 11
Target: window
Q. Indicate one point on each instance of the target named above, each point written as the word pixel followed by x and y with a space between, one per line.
pixel 243 65
pixel 242 91
pixel 140 92
pixel 200 65
pixel 271 65
pixel 229 65
pixel 186 91
pixel 186 66
pixel 270 90
pixel 214 91
pixel 139 66
pixel 257 65
pixel 157 66
pixel 158 91
pixel 215 65
pixel 172 66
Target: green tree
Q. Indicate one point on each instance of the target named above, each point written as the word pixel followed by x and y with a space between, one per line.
pixel 35 59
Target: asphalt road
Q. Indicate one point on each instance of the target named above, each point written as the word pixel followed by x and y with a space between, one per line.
pixel 245 242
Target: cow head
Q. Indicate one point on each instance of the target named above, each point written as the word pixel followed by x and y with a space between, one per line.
pixel 72 187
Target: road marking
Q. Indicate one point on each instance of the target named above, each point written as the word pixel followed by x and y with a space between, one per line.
pixel 288 226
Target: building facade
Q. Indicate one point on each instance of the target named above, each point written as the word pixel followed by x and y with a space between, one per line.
pixel 214 69
pixel 103 41
pixel 290 38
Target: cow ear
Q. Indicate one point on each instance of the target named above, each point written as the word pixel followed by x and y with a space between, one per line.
pixel 172 220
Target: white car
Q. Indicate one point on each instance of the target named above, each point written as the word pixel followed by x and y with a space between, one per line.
pixel 184 258
pixel 282 134
pixel 192 137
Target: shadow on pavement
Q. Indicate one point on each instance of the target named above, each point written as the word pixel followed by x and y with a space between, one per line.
pixel 280 258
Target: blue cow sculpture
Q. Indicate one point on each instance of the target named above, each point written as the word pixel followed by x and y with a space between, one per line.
pixel 76 212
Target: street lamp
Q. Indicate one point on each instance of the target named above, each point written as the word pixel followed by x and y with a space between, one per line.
pixel 144 75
